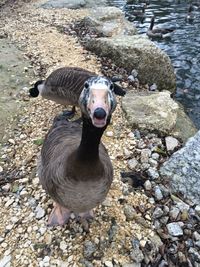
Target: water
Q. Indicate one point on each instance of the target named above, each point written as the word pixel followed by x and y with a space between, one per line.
pixel 183 45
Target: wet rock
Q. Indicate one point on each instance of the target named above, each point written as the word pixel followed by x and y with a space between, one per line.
pixel 137 52
pixel 171 143
pixel 174 229
pixel 89 250
pixel 108 22
pixel 183 168
pixel 72 4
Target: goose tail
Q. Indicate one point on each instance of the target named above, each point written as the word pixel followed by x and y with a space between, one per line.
pixel 34 91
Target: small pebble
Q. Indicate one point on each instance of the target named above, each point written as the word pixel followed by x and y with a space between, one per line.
pixel 174 229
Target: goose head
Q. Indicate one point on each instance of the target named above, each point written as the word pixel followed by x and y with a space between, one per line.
pixel 97 100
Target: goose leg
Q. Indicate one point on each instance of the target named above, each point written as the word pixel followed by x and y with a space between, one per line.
pixel 59 215
pixel 69 113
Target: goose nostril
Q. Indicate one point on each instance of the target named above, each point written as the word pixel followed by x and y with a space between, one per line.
pixel 99 113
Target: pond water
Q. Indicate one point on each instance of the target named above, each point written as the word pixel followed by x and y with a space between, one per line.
pixel 183 45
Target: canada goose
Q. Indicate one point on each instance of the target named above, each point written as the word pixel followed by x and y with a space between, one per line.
pixel 158 32
pixel 74 168
pixel 64 86
pixel 139 13
pixel 190 16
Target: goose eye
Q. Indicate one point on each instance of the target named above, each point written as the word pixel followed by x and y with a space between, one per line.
pixel 111 87
pixel 86 85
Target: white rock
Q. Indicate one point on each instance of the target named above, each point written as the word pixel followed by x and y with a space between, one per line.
pixel 9 202
pixel 174 229
pixel 40 212
pixel 11 141
pixel 5 261
pixel 1 169
pixel 171 143
pixel 108 264
pixel 197 209
pixel 158 193
pixel 63 245
pixel 147 185
pixel 132 163
pixel 109 134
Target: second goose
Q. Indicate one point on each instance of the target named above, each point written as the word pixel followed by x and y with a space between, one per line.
pixel 64 86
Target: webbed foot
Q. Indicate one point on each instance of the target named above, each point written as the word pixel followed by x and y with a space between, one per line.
pixel 58 216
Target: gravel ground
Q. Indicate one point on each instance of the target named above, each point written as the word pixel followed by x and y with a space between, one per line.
pixel 138 223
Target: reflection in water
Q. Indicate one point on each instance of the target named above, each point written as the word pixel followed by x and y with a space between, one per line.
pixel 183 46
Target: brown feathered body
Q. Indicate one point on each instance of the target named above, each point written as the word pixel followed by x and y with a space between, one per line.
pixel 75 169
pixel 64 85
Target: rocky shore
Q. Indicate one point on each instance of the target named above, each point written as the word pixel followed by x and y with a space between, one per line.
pixel 141 222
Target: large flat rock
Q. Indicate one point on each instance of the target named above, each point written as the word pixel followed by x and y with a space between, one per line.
pixel 137 52
pixel 157 111
pixel 72 4
pixel 108 22
pixel 182 170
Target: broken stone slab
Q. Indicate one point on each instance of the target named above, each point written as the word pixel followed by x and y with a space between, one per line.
pixel 183 168
pixel 72 4
pixel 157 111
pixel 137 52
pixel 108 22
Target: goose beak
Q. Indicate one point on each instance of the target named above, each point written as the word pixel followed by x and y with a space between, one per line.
pixel 99 107
pixel 99 118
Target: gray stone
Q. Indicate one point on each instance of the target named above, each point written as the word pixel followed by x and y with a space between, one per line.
pixel 173 213
pixel 157 111
pixel 174 229
pixel 157 213
pixel 89 249
pixel 158 193
pixel 108 22
pixel 129 212
pixel 132 163
pixel 72 4
pixel 183 168
pixel 136 255
pixel 196 236
pixel 194 254
pixel 153 173
pixel 145 154
pixel 171 143
pixel 147 185
pixel 137 52
pixel 40 212
pixel 197 209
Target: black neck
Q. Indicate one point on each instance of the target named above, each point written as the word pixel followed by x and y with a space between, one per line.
pixel 91 137
pixel 152 24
